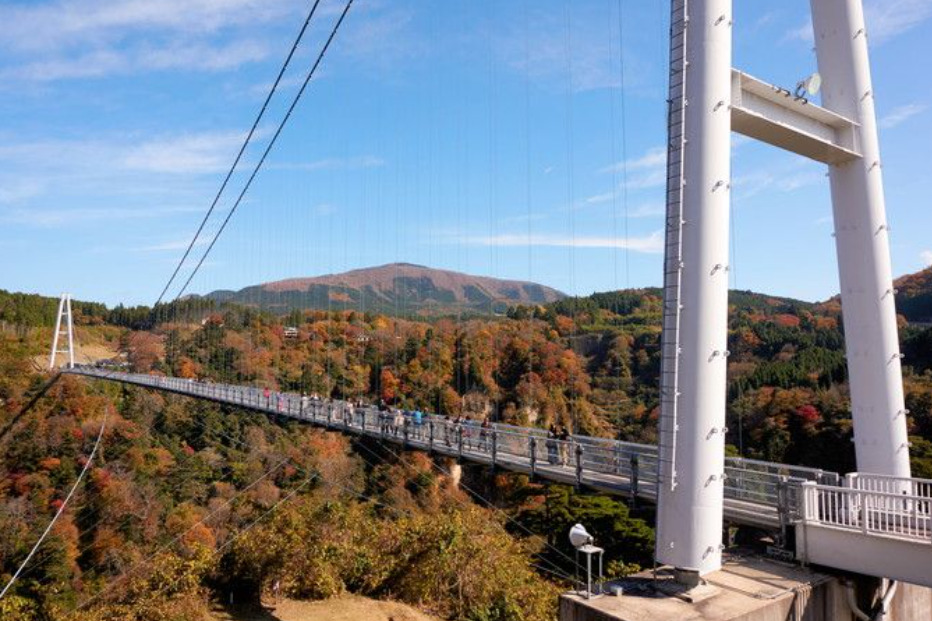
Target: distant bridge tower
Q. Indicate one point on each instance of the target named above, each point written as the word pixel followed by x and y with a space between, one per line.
pixel 64 314
pixel 708 100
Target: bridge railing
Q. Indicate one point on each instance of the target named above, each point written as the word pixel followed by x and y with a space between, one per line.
pixel 764 482
pixel 580 457
pixel 866 481
pixel 869 512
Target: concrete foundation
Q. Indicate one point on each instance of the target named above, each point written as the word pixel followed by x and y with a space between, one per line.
pixel 747 588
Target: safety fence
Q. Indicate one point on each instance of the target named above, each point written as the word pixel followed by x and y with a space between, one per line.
pixel 623 466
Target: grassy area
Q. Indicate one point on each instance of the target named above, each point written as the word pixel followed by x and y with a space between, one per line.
pixel 346 608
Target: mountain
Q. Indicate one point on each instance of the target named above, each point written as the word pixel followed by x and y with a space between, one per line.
pixel 396 288
pixel 914 296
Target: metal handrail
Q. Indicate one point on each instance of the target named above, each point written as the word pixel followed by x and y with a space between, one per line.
pixel 633 466
pixel 877 513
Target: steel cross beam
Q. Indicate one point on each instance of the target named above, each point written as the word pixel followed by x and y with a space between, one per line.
pixel 776 116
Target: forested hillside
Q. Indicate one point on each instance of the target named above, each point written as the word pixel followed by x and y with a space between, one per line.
pixel 187 502
pixel 914 296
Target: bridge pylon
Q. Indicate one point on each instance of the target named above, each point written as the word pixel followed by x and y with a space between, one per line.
pixel 64 316
pixel 707 101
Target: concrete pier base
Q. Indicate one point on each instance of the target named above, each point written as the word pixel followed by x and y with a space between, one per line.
pixel 747 588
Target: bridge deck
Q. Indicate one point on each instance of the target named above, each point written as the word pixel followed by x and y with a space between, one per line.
pixel 875 525
pixel 621 468
pixel 872 524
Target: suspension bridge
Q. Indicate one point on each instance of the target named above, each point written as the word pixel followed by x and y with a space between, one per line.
pixel 825 511
pixel 877 521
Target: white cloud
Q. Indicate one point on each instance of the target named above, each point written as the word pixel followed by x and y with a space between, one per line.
pixel 803 179
pixel 802 32
pixel 334 163
pixel 19 190
pixel 579 52
pixel 777 177
pixel 382 37
pixel 600 198
pixel 103 63
pixel 68 23
pixel 261 89
pixel 888 18
pixel 203 57
pixel 44 217
pixel 885 19
pixel 324 209
pixel 531 217
pixel 653 158
pixel 926 256
pixel 178 244
pixel 653 179
pixel 191 154
pixel 901 114
pixel 70 39
pixel 649 169
pixel 89 65
pixel 186 154
pixel 650 244
pixel 647 211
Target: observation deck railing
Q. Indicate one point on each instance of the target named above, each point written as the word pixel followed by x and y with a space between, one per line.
pixel 868 511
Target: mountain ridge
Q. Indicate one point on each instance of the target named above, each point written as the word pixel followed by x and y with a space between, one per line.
pixel 412 289
pixel 397 288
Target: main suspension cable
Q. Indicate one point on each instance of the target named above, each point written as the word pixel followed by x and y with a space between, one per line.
pixel 61 509
pixel 242 150
pixel 268 148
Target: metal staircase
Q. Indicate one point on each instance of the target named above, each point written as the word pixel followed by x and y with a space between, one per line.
pixel 673 263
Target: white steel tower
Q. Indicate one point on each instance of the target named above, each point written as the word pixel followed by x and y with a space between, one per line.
pixel 692 434
pixel 64 312
pixel 862 245
pixel 709 100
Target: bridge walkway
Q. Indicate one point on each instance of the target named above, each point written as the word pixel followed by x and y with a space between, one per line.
pixel 865 523
pixel 753 488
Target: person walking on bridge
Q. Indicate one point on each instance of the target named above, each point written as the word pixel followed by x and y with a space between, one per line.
pixel 401 421
pixel 383 418
pixel 564 438
pixel 552 449
pixel 484 434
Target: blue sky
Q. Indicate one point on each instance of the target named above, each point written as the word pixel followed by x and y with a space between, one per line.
pixel 485 137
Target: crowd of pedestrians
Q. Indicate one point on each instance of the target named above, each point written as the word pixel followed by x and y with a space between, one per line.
pixel 460 431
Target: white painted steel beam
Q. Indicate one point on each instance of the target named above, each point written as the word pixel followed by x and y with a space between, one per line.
pixel 862 245
pixel 884 557
pixel 70 332
pixel 774 115
pixel 56 333
pixel 64 312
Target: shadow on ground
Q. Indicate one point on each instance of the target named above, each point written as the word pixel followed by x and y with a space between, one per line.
pixel 246 612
